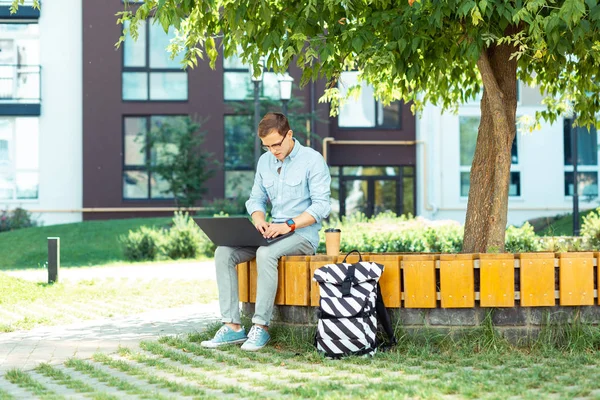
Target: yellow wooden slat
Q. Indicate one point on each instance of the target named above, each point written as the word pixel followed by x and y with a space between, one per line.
pixel 253 276
pixel 390 279
pixel 280 295
pixel 576 279
pixel 243 282
pixel 537 279
pixel 317 262
pixel 497 280
pixel 419 281
pixel 457 285
pixel 297 289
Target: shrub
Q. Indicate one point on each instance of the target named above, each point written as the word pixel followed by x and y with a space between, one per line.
pixel 184 238
pixel 521 240
pixel 590 229
pixel 16 219
pixel 143 244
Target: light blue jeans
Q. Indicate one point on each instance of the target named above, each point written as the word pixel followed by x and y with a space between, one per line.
pixel 267 258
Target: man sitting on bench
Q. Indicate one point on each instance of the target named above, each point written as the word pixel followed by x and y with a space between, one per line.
pixel 296 180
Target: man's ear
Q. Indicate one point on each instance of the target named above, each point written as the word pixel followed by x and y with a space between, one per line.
pixel 292 132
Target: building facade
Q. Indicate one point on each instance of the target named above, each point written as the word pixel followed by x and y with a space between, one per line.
pixel 40 110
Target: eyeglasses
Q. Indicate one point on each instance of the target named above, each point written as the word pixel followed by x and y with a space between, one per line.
pixel 275 146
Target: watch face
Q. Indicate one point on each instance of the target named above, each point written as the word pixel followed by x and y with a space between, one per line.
pixel 290 222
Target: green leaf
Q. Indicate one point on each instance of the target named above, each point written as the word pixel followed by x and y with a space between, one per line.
pixel 357 44
pixel 595 13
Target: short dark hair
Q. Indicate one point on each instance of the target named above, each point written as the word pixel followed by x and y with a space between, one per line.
pixel 273 120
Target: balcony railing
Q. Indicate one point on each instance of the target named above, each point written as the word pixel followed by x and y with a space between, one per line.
pixel 20 83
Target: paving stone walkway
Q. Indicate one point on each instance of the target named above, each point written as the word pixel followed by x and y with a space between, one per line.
pixel 26 349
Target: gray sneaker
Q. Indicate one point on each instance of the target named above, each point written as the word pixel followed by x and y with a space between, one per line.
pixel 224 336
pixel 257 339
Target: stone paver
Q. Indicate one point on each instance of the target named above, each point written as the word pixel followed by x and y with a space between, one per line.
pixel 26 349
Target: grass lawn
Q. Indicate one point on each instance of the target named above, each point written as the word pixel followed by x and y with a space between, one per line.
pixel 81 244
pixel 25 304
pixel 426 367
pixel 561 226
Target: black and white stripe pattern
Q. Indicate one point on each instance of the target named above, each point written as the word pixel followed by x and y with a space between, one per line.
pixel 348 324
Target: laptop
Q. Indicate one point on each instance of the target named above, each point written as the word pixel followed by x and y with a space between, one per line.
pixel 234 231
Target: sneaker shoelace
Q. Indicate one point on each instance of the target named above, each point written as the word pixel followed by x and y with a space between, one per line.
pixel 254 334
pixel 220 333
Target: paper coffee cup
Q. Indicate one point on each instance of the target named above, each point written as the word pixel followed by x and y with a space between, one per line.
pixel 333 238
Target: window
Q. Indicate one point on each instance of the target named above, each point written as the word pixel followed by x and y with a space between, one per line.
pixel 138 182
pixel 19 62
pixel 239 155
pixel 19 166
pixel 372 190
pixel 148 71
pixel 587 159
pixel 468 128
pixel 365 111
pixel 238 85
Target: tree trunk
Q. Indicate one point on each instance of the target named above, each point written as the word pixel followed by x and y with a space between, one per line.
pixel 487 207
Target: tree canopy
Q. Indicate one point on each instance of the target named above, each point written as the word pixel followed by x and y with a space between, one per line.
pixel 419 51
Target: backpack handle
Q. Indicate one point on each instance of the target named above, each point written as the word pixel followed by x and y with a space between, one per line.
pixel 352 251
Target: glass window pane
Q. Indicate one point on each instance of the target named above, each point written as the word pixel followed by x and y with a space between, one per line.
pixel 238 183
pixel 408 195
pixel 270 86
pixel 468 139
pixel 160 188
pixel 356 197
pixel 587 183
pixel 234 62
pixel 27 155
pixel 239 142
pixel 160 57
pixel 168 86
pixel 134 51
pixel 7 137
pixel 135 86
pixel 27 185
pixel 465 183
pixel 385 196
pixel 166 125
pixel 237 85
pixel 135 185
pixel 360 111
pixel 587 144
pixel 514 188
pixel 514 154
pixel 135 136
pixel 4 158
pixel 7 186
pixel 388 116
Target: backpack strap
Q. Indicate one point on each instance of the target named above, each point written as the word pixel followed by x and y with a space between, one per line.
pixel 384 320
pixel 353 251
pixel 347 283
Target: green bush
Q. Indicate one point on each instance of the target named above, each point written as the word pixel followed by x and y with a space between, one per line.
pixel 388 233
pixel 590 229
pixel 235 206
pixel 16 219
pixel 184 238
pixel 145 244
pixel 521 240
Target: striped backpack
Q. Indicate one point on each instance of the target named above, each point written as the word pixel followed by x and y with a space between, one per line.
pixel 349 308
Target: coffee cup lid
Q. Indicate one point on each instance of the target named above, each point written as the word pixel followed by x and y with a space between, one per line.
pixel 333 230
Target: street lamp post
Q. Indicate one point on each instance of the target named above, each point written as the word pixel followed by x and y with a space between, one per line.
pixel 575 156
pixel 257 77
pixel 285 90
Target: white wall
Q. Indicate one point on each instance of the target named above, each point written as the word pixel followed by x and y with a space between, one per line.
pixel 541 163
pixel 60 139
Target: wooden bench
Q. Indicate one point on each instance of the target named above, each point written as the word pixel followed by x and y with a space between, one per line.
pixel 448 280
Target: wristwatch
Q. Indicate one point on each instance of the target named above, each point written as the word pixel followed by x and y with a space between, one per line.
pixel 290 222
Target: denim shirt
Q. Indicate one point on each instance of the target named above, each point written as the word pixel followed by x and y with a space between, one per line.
pixel 302 185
